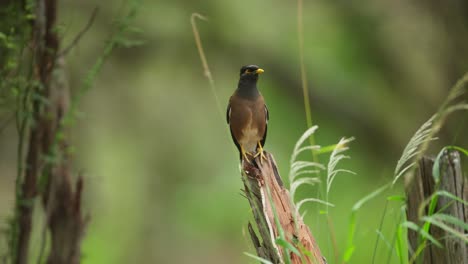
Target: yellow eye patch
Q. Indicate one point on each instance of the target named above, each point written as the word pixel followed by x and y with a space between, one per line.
pixel 248 71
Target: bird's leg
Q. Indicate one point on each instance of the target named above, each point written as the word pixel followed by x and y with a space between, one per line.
pixel 244 153
pixel 260 152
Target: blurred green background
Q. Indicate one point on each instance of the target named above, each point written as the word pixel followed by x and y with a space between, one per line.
pixel 162 182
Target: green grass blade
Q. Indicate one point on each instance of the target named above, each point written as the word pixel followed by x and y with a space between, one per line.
pixel 422 232
pixel 262 260
pixel 446 228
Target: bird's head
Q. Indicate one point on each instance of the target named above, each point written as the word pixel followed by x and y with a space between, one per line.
pixel 247 86
pixel 250 72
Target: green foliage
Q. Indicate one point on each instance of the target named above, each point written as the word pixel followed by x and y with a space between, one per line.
pixel 366 80
pixel 440 220
pixel 424 233
pixel 353 221
pixel 401 238
pixel 414 150
pixel 119 38
pixel 14 33
pixel 15 93
pixel 19 90
pixel 411 155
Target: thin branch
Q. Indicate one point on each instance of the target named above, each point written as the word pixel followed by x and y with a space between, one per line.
pixel 80 34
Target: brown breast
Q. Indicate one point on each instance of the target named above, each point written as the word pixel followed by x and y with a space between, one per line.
pixel 247 120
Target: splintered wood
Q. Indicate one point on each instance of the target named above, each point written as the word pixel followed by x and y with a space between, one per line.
pixel 421 188
pixel 276 216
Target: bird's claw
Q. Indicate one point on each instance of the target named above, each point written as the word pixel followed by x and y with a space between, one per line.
pixel 262 156
pixel 246 158
pixel 260 153
pixel 244 154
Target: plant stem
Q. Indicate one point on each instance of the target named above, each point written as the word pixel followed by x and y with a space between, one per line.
pixel 305 91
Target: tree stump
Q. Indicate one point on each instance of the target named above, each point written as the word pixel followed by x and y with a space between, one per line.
pixel 455 251
pixel 276 216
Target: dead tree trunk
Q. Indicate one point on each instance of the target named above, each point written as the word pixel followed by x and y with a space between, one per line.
pixel 455 251
pixel 275 216
pixel 48 161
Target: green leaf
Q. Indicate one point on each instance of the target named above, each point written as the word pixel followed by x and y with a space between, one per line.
pixel 368 197
pixel 422 232
pixel 445 194
pixel 400 198
pixel 349 252
pixel 451 220
pixel 326 149
pixel 447 228
pixel 285 244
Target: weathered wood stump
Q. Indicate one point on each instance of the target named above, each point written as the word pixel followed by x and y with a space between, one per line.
pixel 455 251
pixel 275 215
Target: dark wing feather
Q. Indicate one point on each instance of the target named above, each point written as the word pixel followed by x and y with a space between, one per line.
pixel 228 119
pixel 267 116
pixel 228 113
pixel 236 143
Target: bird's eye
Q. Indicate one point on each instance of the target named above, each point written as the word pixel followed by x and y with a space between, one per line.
pixel 248 71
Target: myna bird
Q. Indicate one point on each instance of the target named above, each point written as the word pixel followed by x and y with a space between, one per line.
pixel 247 115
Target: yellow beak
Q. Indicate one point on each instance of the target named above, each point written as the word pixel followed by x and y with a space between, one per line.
pixel 259 71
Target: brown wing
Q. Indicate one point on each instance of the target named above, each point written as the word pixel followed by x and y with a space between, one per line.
pixel 228 120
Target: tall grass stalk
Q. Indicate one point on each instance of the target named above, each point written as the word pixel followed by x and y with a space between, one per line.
pixel 398 238
pixel 379 234
pixel 204 61
pixel 299 168
pixel 335 157
pixel 419 143
pixel 413 152
pixel 305 90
